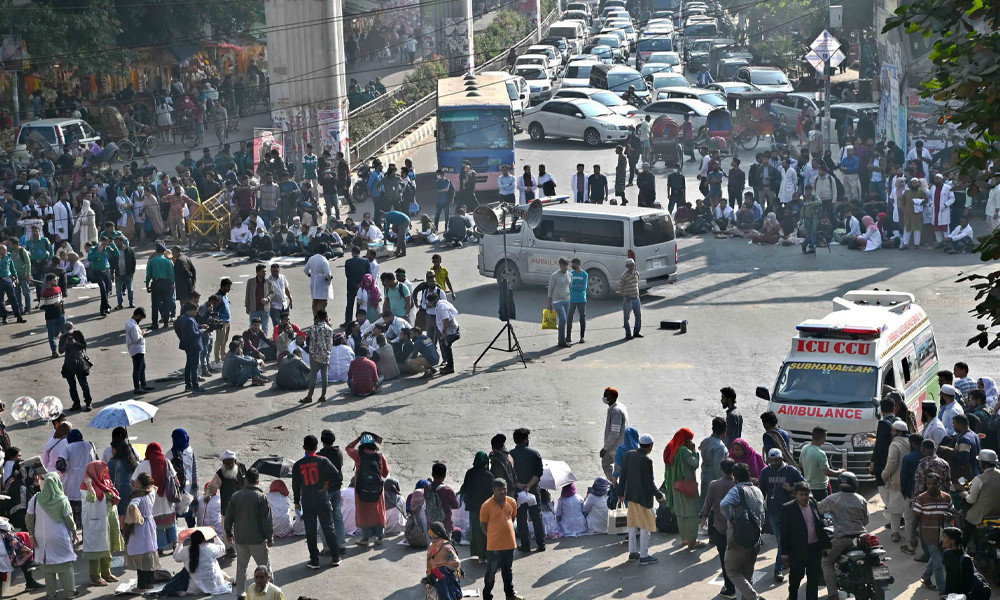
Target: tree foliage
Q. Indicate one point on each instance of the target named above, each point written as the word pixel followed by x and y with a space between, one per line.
pixel 965 75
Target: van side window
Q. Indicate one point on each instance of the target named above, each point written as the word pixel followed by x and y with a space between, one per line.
pixel 600 232
pixel 556 230
pixel 649 231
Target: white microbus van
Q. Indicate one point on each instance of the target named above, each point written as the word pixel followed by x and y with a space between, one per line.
pixel 839 367
pixel 601 236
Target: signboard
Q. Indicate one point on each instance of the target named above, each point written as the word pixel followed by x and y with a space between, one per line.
pixel 825 45
pixel 330 134
pixel 265 140
pixel 891 111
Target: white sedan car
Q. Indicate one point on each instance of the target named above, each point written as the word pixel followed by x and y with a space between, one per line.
pixel 539 84
pixel 580 118
pixel 676 108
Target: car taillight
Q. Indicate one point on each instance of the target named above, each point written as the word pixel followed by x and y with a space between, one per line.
pixel 631 254
pixel 675 253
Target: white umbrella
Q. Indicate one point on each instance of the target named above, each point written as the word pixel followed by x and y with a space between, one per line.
pixel 123 414
pixel 555 475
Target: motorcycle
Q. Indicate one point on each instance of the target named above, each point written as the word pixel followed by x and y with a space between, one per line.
pixel 360 193
pixel 862 571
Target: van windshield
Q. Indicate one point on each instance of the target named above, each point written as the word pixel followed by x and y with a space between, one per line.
pixel 652 230
pixel 564 31
pixel 579 71
pixel 819 384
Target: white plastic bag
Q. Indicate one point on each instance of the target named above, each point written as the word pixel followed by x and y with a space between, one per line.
pixel 618 519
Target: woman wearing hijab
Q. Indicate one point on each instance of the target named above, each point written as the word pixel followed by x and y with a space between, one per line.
pixel 631 443
pixel 989 388
pixel 871 239
pixel 201 557
pixel 101 535
pixel 72 467
pixel 681 460
pixel 283 520
pixel 160 470
pixel 86 224
pixel 477 489
pixel 54 447
pixel 370 514
pixel 140 528
pixel 443 566
pixel 185 464
pixel 370 298
pixel 50 522
pixel 770 231
pixel 595 506
pixel 569 512
pixel 743 452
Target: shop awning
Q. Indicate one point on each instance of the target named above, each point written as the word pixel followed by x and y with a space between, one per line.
pixel 358 7
pixel 183 52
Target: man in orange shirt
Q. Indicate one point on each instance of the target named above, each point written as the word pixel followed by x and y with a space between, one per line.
pixel 177 201
pixel 496 517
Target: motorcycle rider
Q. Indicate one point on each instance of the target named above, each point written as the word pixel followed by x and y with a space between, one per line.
pixel 983 494
pixel 630 97
pixel 850 516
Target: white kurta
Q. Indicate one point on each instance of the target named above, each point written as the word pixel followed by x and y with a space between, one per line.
pixel 95 525
pixel 53 544
pixel 208 578
pixel 340 361
pixel 77 456
pixel 320 283
pixel 62 215
pixel 86 225
pixel 283 519
pixel 789 183
pixel 572 521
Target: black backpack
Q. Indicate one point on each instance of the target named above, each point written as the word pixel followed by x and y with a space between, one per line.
pixel 370 483
pixel 747 526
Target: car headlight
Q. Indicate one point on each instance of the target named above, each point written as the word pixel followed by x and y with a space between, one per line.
pixel 863 440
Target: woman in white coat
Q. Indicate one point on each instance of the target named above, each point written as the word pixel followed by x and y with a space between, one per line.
pixel 201 558
pixel 101 534
pixel 789 182
pixel 86 224
pixel 49 520
pixel 941 199
pixel 320 279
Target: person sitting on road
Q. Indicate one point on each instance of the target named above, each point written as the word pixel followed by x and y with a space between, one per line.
pixel 458 229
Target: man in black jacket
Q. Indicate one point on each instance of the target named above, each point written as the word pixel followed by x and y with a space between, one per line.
pixel 639 490
pixel 802 539
pixel 335 456
pixel 185 275
pixel 883 438
pixel 355 268
pixel 249 528
pixel 312 477
pixel 527 473
pixel 123 270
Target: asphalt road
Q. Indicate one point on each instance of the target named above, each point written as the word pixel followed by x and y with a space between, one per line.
pixel 742 303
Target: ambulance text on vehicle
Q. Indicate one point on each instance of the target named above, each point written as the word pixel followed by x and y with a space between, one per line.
pixel 839 366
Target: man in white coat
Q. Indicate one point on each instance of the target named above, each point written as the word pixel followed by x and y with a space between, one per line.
pixel 62 219
pixel 993 207
pixel 320 286
pixel 941 198
pixel 526 185
pixel 922 154
pixel 578 183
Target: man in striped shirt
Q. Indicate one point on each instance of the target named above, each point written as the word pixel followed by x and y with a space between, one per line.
pixel 628 287
pixel 932 508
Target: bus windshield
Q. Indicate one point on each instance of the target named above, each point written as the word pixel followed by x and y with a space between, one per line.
pixel 475 129
pixel 820 384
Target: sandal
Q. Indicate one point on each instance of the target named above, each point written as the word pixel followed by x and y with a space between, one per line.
pixel 896 537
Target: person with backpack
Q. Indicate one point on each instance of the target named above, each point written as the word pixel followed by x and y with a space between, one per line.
pixel 743 507
pixel 440 499
pixel 372 469
pixel 312 477
pixel 960 572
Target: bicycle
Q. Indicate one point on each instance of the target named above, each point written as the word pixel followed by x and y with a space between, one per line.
pixel 136 145
pixel 189 132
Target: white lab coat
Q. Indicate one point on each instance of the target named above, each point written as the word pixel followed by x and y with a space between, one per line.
pixel 95 524
pixel 340 361
pixel 161 506
pixel 789 183
pixel 578 186
pixel 62 214
pixel 523 189
pixel 53 544
pixel 77 456
pixel 208 578
pixel 992 206
pixel 925 157
pixel 943 216
pixel 959 233
pixel 320 282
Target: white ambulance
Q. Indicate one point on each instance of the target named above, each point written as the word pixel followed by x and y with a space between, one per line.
pixel 835 373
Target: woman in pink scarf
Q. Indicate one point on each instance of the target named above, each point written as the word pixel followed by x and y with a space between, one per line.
pixel 370 298
pixel 742 452
pixel 871 239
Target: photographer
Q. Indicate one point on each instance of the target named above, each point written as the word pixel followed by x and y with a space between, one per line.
pixel 207 315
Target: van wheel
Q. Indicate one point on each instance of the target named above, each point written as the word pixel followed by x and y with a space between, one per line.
pixel 513 274
pixel 598 287
pixel 592 137
pixel 536 132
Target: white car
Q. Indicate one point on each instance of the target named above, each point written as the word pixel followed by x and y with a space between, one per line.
pixel 668 58
pixel 652 68
pixel 580 118
pixel 727 87
pixel 577 73
pixel 536 60
pixel 630 32
pixel 615 42
pixel 606 54
pixel 661 81
pixel 767 79
pixel 716 99
pixel 582 6
pixel 539 83
pixel 553 54
pixel 792 104
pixel 605 97
pixel 676 108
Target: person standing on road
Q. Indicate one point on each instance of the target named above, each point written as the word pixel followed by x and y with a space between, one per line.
pixel 713 451
pixel 123 268
pixel 614 430
pixel 336 457
pixel 477 488
pixel 628 287
pixel 851 166
pixel 312 477
pixel 559 286
pixel 249 528
pixel 8 283
pixel 527 474
pixel 526 187
pixel 467 186
pixel 320 287
pixel 636 486
pixel 135 342
pixel 801 546
pixel 577 300
pixel 281 300
pixel 931 509
pixel 646 183
pixel 257 299
pixel 320 347
pixel 160 285
pixel 891 489
pixel 643 130
pixel 448 331
pixel 620 167
pixel 496 518
pixel 578 185
pixel 597 186
pixel 734 420
pixel 372 469
pixel 223 313
pixel 777 481
pixel 507 185
pixel 743 502
pixel 51 301
pixel 355 268
pixel 185 275
pixel 716 523
pixel 191 333
pixel 816 465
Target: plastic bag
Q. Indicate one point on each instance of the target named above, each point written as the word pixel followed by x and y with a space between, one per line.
pixel 549 319
pixel 618 519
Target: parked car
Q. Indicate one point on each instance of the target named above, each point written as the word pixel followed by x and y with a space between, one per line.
pixel 57 132
pixel 539 83
pixel 605 97
pixel 712 97
pixel 767 79
pixel 855 109
pixel 580 118
pixel 676 108
pixel 792 104
pixel 725 87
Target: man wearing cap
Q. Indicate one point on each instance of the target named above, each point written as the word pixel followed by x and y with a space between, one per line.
pixel 984 491
pixel 949 408
pixel 891 489
pixel 259 292
pixel 777 481
pixel 226 482
pixel 636 486
pixel 160 285
pixel 942 199
pixel 614 430
pixel 628 287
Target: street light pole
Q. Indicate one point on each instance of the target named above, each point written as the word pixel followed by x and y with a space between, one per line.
pixel 826 93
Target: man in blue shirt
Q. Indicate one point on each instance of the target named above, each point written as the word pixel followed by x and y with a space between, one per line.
pixel 444 190
pixel 225 316
pixel 507 184
pixel 374 181
pixel 851 165
pixel 425 354
pixel 577 299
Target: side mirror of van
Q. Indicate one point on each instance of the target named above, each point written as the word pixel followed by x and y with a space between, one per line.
pixel 523 96
pixel 763 393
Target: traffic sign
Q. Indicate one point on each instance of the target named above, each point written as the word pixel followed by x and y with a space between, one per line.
pixel 837 58
pixel 825 45
pixel 817 63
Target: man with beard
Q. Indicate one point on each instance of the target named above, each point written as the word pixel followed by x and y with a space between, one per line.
pixel 226 482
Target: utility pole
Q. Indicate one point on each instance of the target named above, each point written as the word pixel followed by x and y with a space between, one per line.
pixel 826 92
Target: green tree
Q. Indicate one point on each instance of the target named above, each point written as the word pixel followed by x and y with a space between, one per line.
pixel 965 74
